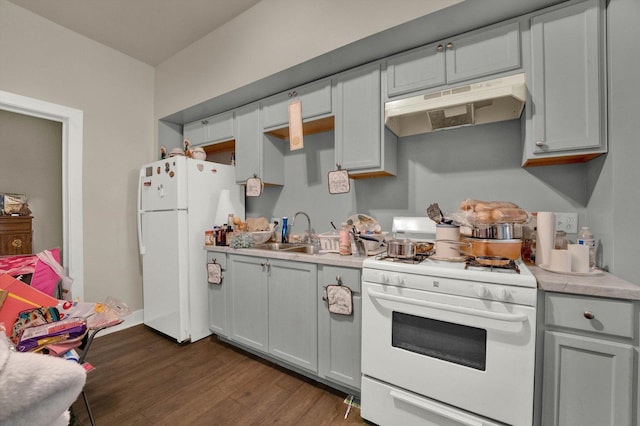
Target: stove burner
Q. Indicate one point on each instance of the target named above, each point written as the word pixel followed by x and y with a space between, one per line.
pixel 410 260
pixel 473 263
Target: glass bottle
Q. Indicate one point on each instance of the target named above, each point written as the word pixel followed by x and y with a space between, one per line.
pixel 561 240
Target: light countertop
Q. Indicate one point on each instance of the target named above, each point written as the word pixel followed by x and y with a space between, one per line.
pixel 604 285
pixel 321 259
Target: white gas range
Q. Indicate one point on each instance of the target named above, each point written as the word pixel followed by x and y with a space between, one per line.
pixel 447 344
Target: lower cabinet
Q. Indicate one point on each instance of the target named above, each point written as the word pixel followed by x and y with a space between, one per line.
pixel 293 320
pixel 218 318
pixel 273 308
pixel 339 335
pixel 590 349
pixel 276 307
pixel 248 302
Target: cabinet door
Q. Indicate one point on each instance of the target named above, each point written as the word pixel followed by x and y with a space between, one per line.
pixel 339 335
pixel 293 319
pixel 257 154
pixel 415 70
pixel 567 82
pixel 210 130
pixel 482 53
pixel 315 99
pixel 218 313
pixel 196 132
pixel 358 119
pixel 586 381
pixel 248 286
pixel 248 142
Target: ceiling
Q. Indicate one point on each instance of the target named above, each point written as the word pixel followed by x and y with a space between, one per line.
pixel 148 30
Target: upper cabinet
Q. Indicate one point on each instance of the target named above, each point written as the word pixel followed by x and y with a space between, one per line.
pixel 472 55
pixel 210 130
pixel 566 112
pixel 257 154
pixel 363 145
pixel 316 104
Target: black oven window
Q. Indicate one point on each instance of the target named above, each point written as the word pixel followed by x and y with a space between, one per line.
pixel 455 343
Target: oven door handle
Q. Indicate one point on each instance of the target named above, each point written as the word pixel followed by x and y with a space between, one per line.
pixel 433 408
pixel 458 309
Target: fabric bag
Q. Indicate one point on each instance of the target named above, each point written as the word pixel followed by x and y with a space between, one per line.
pixel 339 299
pixel 32 318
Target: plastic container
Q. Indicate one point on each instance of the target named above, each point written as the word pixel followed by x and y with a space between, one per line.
pixel 345 240
pixel 330 241
pixel 585 238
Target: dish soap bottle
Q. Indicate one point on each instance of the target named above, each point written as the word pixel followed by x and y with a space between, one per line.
pixel 285 230
pixel 585 238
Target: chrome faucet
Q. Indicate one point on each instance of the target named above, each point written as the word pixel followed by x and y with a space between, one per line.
pixel 293 221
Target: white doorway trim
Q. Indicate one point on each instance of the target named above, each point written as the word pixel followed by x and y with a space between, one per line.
pixel 72 224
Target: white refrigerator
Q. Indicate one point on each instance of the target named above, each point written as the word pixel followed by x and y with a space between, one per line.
pixel 177 201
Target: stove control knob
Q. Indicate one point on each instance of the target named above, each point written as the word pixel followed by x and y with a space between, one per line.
pixel 503 294
pixel 399 280
pixel 481 290
pixel 384 278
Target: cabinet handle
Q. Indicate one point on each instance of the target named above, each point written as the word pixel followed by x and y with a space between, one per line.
pixel 540 143
pixel 205 122
pixel 589 315
pixel 449 45
pixel 439 48
pixel 16 243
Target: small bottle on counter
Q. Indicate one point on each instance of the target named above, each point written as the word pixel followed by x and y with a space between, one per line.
pixel 585 238
pixel 285 230
pixel 345 240
pixel 221 236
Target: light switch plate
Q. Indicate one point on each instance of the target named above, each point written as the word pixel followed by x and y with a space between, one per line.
pixel 567 222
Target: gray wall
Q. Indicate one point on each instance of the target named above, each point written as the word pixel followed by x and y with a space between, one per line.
pixel 444 167
pixel 614 206
pixel 31 164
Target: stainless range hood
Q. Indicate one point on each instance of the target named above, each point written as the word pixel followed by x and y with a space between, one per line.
pixel 478 103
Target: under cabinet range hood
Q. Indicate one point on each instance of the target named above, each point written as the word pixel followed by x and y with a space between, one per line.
pixel 478 103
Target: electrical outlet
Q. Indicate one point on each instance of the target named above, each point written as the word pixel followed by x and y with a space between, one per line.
pixel 567 222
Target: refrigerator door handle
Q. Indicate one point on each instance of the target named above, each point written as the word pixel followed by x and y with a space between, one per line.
pixel 140 246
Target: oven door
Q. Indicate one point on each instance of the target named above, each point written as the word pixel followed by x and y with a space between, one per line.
pixel 474 354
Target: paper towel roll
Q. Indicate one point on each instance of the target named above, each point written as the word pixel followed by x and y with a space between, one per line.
pixel 560 260
pixel 579 258
pixel 546 237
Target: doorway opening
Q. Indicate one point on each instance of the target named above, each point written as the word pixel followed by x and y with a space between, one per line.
pixel 72 214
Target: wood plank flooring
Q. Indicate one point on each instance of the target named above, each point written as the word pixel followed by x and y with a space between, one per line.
pixel 143 378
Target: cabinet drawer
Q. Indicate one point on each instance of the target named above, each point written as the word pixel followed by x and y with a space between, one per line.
pixel 610 316
pixel 220 258
pixel 351 277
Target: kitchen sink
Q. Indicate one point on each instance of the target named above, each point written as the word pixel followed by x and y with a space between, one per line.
pixel 291 247
pixel 275 246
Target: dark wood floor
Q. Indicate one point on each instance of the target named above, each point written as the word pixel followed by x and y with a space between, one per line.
pixel 144 378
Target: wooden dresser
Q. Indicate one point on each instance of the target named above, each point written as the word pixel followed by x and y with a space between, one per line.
pixel 15 235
